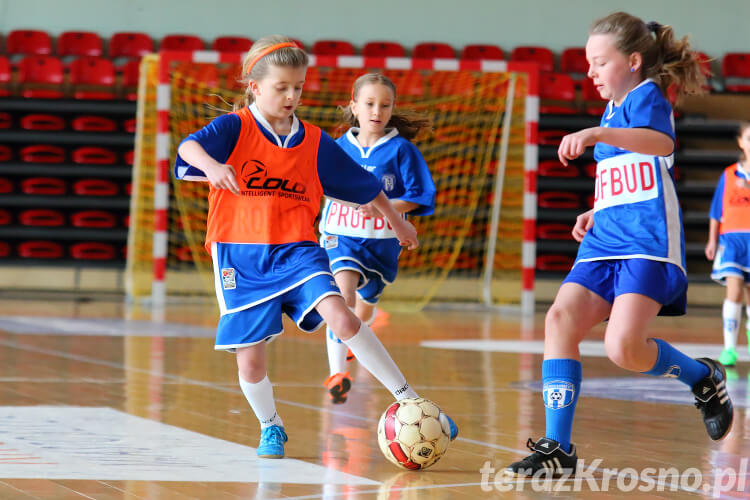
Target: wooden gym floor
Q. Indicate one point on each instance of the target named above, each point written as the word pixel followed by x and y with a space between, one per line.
pixel 98 401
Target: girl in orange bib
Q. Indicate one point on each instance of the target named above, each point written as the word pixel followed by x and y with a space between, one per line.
pixel 268 172
pixel 729 244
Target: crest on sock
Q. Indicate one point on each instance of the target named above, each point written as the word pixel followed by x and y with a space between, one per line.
pixel 558 394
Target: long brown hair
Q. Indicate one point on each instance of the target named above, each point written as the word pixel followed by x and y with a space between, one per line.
pixel 285 56
pixel 666 60
pixel 408 122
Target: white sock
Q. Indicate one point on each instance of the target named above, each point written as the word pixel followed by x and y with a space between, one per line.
pixel 372 355
pixel 336 353
pixel 731 313
pixel 260 397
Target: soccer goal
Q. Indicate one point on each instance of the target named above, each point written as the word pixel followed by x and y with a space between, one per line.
pixel 478 247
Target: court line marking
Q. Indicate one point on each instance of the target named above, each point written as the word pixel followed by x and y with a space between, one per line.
pixel 594 348
pixel 86 359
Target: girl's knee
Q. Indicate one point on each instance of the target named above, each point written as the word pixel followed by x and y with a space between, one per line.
pixel 622 351
pixel 345 325
pixel 252 373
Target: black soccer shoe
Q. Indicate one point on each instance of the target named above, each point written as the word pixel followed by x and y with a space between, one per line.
pixel 547 456
pixel 712 399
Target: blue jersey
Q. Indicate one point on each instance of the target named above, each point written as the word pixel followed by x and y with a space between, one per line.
pixel 636 212
pixel 403 175
pixel 266 271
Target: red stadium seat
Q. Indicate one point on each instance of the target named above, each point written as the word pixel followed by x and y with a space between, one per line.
pixel 6 218
pixel 232 44
pixel 552 231
pixel 95 187
pixel 554 262
pixel 340 80
pixel 93 218
pixel 298 43
pixel 28 42
pixel 130 45
pixel 94 155
pixel 5 120
pixel 551 137
pixel 558 199
pixel 553 168
pixel 451 84
pixel 559 88
pixel 41 217
pixel 42 153
pixel 130 124
pixel 79 43
pixel 181 42
pixel 40 77
pixel 130 72
pixel 410 85
pixel 5 76
pixel 38 121
pixel 433 50
pixel 590 170
pixel 90 250
pixel 92 78
pixel 592 100
pixel 573 61
pixel 129 157
pixel 48 186
pixel 6 154
pixel 540 55
pixel 483 51
pixel 383 49
pixel 37 249
pixel 333 48
pixel 735 68
pixel 6 186
pixel 91 123
pixel 4 249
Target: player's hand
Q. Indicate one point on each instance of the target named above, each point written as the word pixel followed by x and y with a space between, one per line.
pixel 368 210
pixel 584 222
pixel 222 176
pixel 406 233
pixel 573 145
pixel 710 250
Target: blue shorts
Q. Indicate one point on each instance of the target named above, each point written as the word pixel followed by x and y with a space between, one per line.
pixel 376 261
pixel 662 281
pixel 732 258
pixel 262 322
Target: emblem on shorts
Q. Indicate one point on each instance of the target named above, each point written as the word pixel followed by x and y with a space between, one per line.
pixel 330 241
pixel 228 279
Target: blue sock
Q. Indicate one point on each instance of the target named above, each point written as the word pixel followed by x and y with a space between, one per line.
pixel 561 380
pixel 672 363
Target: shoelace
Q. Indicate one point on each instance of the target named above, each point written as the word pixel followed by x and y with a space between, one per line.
pixel 274 436
pixel 530 444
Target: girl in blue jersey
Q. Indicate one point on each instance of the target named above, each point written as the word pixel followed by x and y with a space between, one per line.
pixel 268 171
pixel 730 229
pixel 631 262
pixel 361 245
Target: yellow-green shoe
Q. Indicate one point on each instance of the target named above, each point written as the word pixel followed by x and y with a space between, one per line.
pixel 728 357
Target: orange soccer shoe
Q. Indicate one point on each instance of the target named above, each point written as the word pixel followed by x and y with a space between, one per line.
pixel 338 386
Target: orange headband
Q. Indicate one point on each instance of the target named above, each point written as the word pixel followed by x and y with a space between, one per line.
pixel 267 51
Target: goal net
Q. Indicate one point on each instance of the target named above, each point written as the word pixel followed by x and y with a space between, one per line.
pixel 477 248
